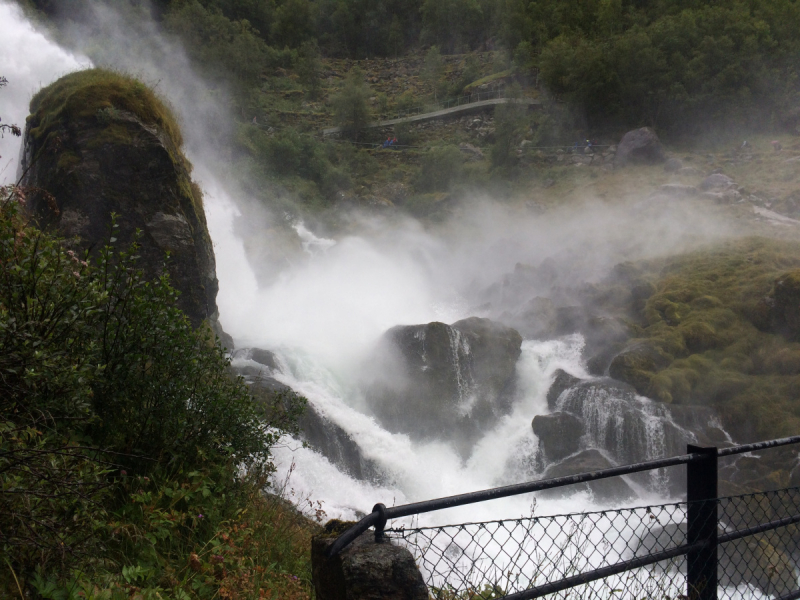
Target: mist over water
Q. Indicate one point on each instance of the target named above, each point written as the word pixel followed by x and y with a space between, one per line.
pixel 29 60
pixel 324 311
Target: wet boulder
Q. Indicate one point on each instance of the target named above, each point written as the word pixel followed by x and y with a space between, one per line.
pixel 445 382
pixel 614 489
pixel 99 143
pixel 626 427
pixel 559 434
pixel 364 570
pixel 639 146
pixel 561 382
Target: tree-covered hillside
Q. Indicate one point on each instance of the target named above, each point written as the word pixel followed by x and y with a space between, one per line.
pixel 670 64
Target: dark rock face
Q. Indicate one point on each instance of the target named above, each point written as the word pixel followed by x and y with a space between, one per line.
pixel 624 428
pixel 444 382
pixel 335 444
pixel 611 490
pixel 640 146
pixel 562 382
pixel 559 434
pixel 90 164
pixel 365 570
pixel 320 433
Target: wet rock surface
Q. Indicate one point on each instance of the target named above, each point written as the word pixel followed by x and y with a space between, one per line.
pixel 559 434
pixel 605 490
pixel 624 427
pixel 89 166
pixel 448 382
pixel 316 429
pixel 365 570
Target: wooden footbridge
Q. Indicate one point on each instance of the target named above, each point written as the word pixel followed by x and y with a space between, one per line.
pixel 459 109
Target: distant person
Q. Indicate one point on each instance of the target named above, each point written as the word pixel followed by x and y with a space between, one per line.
pixel 387 143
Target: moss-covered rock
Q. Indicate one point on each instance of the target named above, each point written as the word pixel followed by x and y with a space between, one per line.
pixel 786 296
pixel 99 143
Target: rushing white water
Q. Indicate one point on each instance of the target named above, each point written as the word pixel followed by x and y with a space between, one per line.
pixel 422 470
pixel 28 60
pixel 323 315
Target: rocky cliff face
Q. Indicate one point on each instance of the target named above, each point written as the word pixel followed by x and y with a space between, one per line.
pixel 446 382
pixel 98 143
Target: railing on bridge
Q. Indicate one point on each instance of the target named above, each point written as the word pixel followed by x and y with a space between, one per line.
pixel 705 548
pixel 452 102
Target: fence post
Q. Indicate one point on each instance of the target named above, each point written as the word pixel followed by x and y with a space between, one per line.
pixel 701 523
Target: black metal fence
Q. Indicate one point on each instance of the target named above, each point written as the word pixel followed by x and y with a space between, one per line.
pixel 493 559
pixel 740 547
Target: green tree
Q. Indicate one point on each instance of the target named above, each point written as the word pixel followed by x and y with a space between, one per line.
pixel 433 70
pixel 351 106
pixel 293 24
pixel 442 166
pixel 308 68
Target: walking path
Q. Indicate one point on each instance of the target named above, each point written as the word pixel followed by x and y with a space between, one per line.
pixel 462 109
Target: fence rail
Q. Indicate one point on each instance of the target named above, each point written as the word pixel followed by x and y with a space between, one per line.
pixel 702 549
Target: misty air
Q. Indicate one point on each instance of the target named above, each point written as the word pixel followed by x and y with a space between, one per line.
pixel 436 299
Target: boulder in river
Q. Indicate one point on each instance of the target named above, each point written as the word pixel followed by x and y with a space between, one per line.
pixel 614 489
pixel 559 434
pixel 623 426
pixel 444 382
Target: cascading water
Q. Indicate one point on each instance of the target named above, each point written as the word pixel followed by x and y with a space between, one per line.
pixel 29 61
pixel 323 316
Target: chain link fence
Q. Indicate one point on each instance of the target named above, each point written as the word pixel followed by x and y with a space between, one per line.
pixel 493 559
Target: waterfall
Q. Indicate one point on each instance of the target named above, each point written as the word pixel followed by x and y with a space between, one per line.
pixel 30 61
pixel 323 315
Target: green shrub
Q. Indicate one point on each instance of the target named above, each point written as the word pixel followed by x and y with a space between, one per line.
pixel 440 167
pixel 104 378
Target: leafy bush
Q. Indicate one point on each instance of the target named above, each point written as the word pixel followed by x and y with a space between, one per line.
pixel 440 168
pixel 102 377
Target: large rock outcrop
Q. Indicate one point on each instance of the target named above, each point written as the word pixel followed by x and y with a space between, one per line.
pixel 607 416
pixel 639 146
pixel 364 570
pixel 98 143
pixel 445 382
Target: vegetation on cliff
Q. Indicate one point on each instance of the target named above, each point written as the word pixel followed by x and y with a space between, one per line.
pixel 709 330
pixel 131 461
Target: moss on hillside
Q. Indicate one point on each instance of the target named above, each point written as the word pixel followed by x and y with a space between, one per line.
pixel 712 318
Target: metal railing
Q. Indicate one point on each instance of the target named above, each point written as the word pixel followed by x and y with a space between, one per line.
pixel 684 550
pixel 453 102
